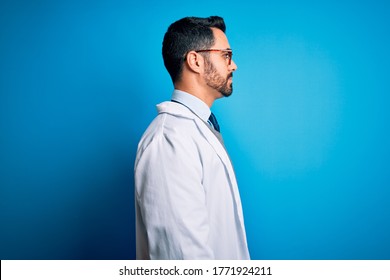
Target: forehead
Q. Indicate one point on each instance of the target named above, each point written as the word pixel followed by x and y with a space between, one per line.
pixel 221 41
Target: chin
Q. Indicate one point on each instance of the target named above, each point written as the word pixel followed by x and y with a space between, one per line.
pixel 226 94
pixel 229 92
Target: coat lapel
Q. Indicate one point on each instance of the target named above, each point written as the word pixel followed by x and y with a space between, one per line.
pixel 219 148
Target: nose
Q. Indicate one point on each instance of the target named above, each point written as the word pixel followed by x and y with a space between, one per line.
pixel 233 66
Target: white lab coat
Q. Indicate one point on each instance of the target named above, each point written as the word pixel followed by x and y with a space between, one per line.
pixel 187 200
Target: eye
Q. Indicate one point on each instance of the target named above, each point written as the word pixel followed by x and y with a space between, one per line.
pixel 227 55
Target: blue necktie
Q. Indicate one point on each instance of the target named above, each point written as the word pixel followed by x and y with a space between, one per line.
pixel 214 122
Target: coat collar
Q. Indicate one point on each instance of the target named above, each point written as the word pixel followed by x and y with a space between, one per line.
pixel 175 109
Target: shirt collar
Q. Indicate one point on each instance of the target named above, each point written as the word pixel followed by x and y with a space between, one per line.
pixel 193 103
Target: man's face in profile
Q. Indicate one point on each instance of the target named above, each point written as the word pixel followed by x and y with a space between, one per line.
pixel 219 66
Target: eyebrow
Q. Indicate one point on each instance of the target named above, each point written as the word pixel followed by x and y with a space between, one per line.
pixel 225 50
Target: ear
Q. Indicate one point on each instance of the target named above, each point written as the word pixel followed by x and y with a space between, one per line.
pixel 195 61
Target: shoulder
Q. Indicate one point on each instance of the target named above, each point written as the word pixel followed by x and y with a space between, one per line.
pixel 173 127
pixel 173 119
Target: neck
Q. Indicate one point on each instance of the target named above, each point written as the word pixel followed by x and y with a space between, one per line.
pixel 204 95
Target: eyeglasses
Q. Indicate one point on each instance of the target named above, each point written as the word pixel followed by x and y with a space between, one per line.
pixel 228 53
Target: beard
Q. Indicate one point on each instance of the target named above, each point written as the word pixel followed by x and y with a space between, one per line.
pixel 216 81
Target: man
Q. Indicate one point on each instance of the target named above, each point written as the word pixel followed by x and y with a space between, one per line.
pixel 187 200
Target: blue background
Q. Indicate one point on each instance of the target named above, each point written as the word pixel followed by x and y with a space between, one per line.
pixel 307 126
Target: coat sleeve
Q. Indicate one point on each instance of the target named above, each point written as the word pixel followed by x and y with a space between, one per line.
pixel 171 198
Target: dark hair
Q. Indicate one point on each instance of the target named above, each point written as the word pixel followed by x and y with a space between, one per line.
pixel 184 35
